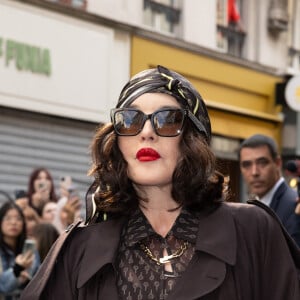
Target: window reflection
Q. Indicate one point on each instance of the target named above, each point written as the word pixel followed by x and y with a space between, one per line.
pixel 162 15
pixel 81 4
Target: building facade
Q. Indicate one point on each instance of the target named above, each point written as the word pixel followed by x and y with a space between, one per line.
pixel 62 64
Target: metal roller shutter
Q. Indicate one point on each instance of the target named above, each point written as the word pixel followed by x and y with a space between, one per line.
pixel 29 140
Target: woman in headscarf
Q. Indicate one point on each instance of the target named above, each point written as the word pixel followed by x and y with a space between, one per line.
pixel 157 226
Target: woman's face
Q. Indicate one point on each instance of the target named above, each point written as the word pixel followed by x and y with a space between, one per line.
pixel 12 224
pixel 49 211
pixel 151 158
pixel 31 219
pixel 42 182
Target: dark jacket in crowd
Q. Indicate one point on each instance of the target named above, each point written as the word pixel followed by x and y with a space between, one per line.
pixel 284 204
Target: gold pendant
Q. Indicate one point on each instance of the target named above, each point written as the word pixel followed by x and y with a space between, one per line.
pixel 165 259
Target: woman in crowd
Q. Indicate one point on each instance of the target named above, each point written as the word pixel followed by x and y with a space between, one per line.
pixel 21 199
pixel 40 189
pixel 31 219
pixel 49 211
pixel 157 227
pixel 16 268
pixel 45 234
pixel 68 206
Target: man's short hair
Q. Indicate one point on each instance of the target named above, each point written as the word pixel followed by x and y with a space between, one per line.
pixel 258 140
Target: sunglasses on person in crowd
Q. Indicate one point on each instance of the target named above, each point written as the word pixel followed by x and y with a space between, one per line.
pixel 166 122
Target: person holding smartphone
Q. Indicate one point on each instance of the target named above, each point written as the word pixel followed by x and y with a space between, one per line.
pixel 40 189
pixel 68 206
pixel 17 263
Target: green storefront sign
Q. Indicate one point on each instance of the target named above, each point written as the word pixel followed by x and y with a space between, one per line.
pixel 25 57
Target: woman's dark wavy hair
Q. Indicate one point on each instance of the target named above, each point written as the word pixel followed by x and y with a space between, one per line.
pixel 196 183
pixel 21 238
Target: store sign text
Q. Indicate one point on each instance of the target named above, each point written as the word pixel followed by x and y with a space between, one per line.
pixel 25 57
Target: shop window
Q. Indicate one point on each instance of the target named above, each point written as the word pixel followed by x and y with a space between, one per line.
pixel 294 35
pixel 225 150
pixel 162 15
pixel 230 30
pixel 81 4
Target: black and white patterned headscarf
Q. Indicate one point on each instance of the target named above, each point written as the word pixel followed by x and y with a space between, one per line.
pixel 162 80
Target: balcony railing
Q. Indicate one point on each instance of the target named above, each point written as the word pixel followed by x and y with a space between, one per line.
pixel 234 39
pixel 172 14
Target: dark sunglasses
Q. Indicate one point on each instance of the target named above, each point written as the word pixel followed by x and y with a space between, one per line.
pixel 166 122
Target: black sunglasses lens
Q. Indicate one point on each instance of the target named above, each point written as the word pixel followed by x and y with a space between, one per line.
pixel 128 122
pixel 168 122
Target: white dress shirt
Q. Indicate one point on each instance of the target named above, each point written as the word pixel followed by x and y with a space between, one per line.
pixel 267 198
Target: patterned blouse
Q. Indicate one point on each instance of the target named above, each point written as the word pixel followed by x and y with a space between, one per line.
pixel 139 274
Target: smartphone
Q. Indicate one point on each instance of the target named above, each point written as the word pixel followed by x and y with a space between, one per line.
pixel 41 185
pixel 69 189
pixel 72 190
pixel 66 182
pixel 29 245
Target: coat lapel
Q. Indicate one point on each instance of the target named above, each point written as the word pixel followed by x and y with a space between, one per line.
pixel 277 197
pixel 101 248
pixel 215 247
pixel 217 234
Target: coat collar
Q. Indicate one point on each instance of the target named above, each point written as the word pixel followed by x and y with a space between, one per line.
pixel 217 234
pixel 216 245
pixel 277 195
pixel 100 249
pixel 216 237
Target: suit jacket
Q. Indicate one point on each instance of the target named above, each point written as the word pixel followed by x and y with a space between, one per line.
pixel 241 253
pixel 284 204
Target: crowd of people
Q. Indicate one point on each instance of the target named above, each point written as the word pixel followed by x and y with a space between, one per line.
pixel 35 217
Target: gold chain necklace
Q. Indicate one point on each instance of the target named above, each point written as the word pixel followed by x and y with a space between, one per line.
pixel 167 258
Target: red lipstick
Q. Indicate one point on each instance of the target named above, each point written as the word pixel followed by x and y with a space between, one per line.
pixel 147 154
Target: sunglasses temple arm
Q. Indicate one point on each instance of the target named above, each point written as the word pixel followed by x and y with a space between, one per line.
pixel 198 124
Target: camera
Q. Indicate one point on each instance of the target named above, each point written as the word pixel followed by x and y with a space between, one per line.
pixel 41 185
pixel 66 184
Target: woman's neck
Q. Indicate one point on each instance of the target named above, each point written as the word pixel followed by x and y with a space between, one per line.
pixel 11 242
pixel 161 210
pixel 161 220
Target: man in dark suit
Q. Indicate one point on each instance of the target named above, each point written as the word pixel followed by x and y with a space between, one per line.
pixel 261 165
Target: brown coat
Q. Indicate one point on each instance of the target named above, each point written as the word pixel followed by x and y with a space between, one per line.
pixel 241 254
